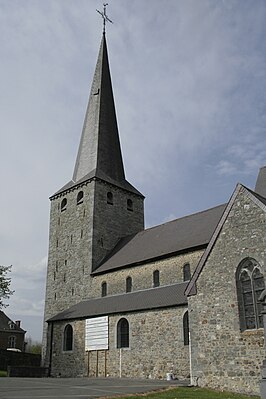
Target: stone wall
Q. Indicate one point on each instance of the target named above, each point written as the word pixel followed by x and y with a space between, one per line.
pixel 69 363
pixel 156 347
pixel 222 356
pixel 80 236
pixel 69 258
pixel 171 271
pixel 10 358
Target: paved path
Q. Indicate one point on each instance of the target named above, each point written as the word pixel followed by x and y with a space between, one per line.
pixel 77 388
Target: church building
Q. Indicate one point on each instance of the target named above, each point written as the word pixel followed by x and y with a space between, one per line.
pixel 178 298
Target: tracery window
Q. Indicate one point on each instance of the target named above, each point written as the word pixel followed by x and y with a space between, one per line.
pixel 68 338
pixel 250 284
pixel 186 272
pixel 123 333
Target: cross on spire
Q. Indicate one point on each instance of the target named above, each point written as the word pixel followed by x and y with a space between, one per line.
pixel 104 16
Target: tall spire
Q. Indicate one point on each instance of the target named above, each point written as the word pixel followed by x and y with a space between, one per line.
pixel 99 152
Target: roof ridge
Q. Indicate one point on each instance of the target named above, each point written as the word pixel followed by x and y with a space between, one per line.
pixel 183 217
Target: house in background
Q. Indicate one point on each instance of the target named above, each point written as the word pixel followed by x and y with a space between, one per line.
pixel 11 334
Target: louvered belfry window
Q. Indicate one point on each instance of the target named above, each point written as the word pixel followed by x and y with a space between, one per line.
pixel 250 284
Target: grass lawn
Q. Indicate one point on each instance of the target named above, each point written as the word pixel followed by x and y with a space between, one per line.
pixel 3 373
pixel 193 393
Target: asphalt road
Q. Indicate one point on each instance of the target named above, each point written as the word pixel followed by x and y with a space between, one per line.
pixel 77 388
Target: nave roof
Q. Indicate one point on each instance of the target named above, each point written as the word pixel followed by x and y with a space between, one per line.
pixel 184 234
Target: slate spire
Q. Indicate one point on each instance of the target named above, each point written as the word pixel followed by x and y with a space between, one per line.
pixel 99 153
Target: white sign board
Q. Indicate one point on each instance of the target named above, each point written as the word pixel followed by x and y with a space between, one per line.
pixel 96 333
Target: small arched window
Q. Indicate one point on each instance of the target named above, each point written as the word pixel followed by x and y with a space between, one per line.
pixel 156 278
pixel 250 284
pixel 186 329
pixel 130 205
pixel 63 204
pixel 186 272
pixel 123 333
pixel 68 338
pixel 128 284
pixel 104 289
pixel 12 341
pixel 80 197
pixel 110 199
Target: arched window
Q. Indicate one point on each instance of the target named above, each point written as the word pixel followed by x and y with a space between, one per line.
pixel 104 288
pixel 186 329
pixel 12 341
pixel 110 199
pixel 156 278
pixel 250 284
pixel 80 197
pixel 186 272
pixel 63 204
pixel 129 205
pixel 68 338
pixel 128 284
pixel 123 333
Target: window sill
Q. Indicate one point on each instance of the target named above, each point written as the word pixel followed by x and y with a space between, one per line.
pixel 259 331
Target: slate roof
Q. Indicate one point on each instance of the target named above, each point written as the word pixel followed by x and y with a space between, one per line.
pixel 5 323
pixel 124 184
pixel 153 298
pixel 187 233
pixel 99 153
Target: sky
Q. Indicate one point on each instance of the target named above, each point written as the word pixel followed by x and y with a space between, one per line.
pixel 189 80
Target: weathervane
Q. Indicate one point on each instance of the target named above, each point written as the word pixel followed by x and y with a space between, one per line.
pixel 104 16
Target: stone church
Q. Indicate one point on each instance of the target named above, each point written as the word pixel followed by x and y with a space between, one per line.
pixel 180 298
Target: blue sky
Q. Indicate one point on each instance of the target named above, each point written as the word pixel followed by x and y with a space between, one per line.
pixel 189 80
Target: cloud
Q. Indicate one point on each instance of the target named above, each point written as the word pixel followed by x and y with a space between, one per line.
pixel 189 81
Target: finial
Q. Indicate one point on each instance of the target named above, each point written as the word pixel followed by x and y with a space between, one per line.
pixel 104 16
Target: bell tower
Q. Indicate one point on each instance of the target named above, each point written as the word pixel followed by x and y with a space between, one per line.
pixel 96 208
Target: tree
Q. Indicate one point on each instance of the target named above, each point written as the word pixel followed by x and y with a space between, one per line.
pixel 33 346
pixel 5 282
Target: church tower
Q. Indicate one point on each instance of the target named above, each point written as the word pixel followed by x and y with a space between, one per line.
pixel 96 208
